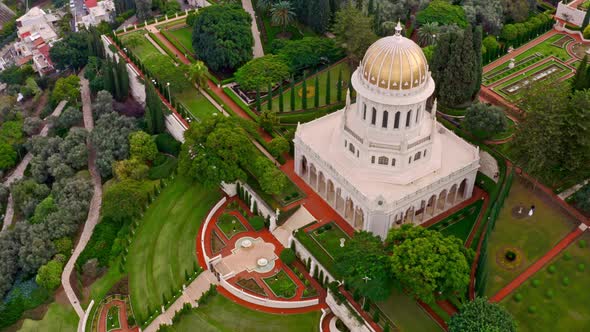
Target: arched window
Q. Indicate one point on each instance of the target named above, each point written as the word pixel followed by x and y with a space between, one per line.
pixel 392 161
pixel 373 116
pixel 357 153
pixel 396 120
pixel 385 119
pixel 417 155
pixel 372 159
pixel 408 117
pixel 364 111
pixel 351 147
pixel 383 160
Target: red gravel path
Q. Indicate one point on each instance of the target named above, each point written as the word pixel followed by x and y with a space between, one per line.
pixel 531 270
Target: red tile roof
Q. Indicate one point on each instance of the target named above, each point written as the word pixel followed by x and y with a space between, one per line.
pixel 90 3
pixel 26 34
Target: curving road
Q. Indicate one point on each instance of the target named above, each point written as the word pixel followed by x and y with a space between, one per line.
pixel 19 171
pixel 257 49
pixel 95 203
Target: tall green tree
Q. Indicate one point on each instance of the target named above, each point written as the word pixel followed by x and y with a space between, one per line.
pixel 123 77
pixel 318 15
pixel 482 315
pixel 580 81
pixel 197 73
pixel 354 32
pixel 427 33
pixel 478 65
pixel 364 263
pixel 269 97
pixel 339 86
pixel 427 263
pixel 316 96
pixel 328 88
pixel 154 114
pixel 281 104
pixel 258 101
pixel 304 93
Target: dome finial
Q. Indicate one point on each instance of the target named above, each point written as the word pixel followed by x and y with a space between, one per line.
pixel 398 28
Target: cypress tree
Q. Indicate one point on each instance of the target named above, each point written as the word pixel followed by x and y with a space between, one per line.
pixel 154 114
pixel 477 68
pixel 258 103
pixel 440 58
pixel 339 87
pixel 318 15
pixel 328 83
pixel 580 81
pixel 371 8
pixel 292 100
pixel 107 76
pixel 304 93
pixel 269 97
pixel 316 99
pixel 281 106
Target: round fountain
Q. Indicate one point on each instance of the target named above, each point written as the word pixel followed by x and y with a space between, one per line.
pixel 262 262
pixel 246 244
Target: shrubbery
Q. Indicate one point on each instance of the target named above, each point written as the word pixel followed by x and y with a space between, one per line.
pixel 257 222
pixel 167 144
pixel 288 256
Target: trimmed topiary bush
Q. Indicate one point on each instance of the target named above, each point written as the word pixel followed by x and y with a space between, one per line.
pixel 536 283
pixel 581 267
pixel 257 222
pixel 582 244
pixel 551 269
pixel 565 281
pixel 567 256
pixel 517 297
pixel 288 256
pixel 549 294
pixel 532 309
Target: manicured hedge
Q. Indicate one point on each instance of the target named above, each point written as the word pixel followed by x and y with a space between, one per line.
pixel 167 144
pixel 164 168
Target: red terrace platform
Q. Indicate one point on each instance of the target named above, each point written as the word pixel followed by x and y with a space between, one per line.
pixel 90 3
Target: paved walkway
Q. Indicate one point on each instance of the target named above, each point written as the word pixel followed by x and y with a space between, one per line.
pixel 124 327
pixel 19 171
pixel 539 264
pixel 95 203
pixel 257 49
pixel 190 295
pixel 570 191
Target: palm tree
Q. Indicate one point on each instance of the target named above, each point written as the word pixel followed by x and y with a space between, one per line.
pixel 197 73
pixel 282 13
pixel 264 5
pixel 427 33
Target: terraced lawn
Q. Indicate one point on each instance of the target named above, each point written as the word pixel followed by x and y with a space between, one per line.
pixel 57 318
pixel 531 237
pixel 223 315
pixel 549 303
pixel 164 244
pixel 406 314
pixel 184 35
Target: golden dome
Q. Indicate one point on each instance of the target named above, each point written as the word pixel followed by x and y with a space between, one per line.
pixel 395 63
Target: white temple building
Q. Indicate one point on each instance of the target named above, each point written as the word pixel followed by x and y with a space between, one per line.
pixel 384 160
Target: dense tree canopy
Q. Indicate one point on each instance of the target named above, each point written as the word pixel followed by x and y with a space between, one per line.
pixel 443 12
pixel 364 263
pixel 143 147
pixel 308 52
pixel 49 275
pixel 123 200
pixel 66 88
pixel 481 315
pixel 110 138
pixel 222 37
pixel 260 72
pixel 484 120
pixel 353 32
pixel 425 262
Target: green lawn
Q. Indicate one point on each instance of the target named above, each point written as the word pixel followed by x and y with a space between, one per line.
pixel 559 307
pixel 58 318
pixel 328 236
pixel 230 225
pixel 460 223
pixel 192 99
pixel 406 314
pixel 222 315
pixel 506 133
pixel 282 285
pixel 100 288
pixel 164 244
pixel 310 81
pixel 184 36
pixel 534 236
pixel 113 318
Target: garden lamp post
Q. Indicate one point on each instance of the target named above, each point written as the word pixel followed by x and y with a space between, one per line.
pixel 168 86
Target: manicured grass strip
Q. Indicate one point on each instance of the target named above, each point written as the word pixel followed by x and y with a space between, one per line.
pixel 57 318
pixel 184 36
pixel 328 236
pixel 197 104
pixel 282 285
pixel 221 315
pixel 531 235
pixel 460 223
pixel 230 225
pixel 164 244
pixel 406 314
pixel 318 252
pixel 548 302
pixel 113 318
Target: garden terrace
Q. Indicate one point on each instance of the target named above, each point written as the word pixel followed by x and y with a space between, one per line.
pixel 555 298
pixel 230 225
pixel 528 238
pixel 181 38
pixel 180 87
pixel 221 314
pixel 460 224
pixel 281 285
pixel 163 250
pixel 334 71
